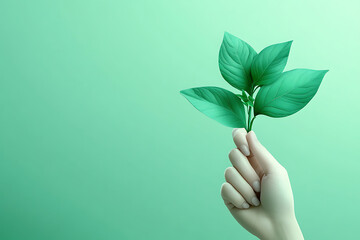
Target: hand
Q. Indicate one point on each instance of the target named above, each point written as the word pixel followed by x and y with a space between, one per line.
pixel 257 190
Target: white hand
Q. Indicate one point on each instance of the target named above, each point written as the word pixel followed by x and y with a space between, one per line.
pixel 257 175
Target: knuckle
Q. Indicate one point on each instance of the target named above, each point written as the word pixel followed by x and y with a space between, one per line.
pixel 242 130
pixel 224 185
pixel 232 152
pixel 223 188
pixel 240 135
pixel 234 131
pixel 228 172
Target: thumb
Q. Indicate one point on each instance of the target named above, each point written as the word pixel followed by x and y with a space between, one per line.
pixel 267 162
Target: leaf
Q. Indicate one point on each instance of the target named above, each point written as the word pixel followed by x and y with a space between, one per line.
pixel 251 98
pixel 243 96
pixel 289 94
pixel 269 63
pixel 218 104
pixel 249 103
pixel 235 58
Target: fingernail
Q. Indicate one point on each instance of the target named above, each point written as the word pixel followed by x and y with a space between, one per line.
pixel 256 186
pixel 245 150
pixel 245 205
pixel 255 201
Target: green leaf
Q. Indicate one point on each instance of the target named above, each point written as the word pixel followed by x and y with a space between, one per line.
pixel 244 96
pixel 235 58
pixel 269 63
pixel 289 94
pixel 251 98
pixel 249 103
pixel 218 104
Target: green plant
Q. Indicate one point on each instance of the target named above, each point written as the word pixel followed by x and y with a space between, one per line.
pixel 265 88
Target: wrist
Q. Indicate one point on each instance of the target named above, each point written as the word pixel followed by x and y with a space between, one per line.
pixel 286 229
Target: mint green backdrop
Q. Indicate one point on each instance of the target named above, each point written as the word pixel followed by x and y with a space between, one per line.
pixel 97 143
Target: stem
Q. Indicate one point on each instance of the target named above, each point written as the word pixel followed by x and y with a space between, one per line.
pixel 251 123
pixel 249 118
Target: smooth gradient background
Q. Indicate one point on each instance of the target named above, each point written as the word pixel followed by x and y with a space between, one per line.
pixel 96 141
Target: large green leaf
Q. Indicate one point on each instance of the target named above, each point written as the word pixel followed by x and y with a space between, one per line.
pixel 289 94
pixel 218 104
pixel 269 63
pixel 235 58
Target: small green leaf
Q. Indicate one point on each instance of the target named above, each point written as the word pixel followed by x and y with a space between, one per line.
pixel 249 103
pixel 269 63
pixel 244 96
pixel 251 98
pixel 218 104
pixel 235 58
pixel 289 94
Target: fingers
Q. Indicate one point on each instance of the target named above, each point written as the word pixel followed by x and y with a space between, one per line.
pixel 267 162
pixel 229 205
pixel 243 166
pixel 233 177
pixel 256 166
pixel 232 197
pixel 239 137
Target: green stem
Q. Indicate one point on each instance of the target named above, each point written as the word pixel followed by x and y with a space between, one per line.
pixel 249 118
pixel 251 123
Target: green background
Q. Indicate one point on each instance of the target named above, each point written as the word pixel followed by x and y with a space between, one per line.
pixel 97 143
